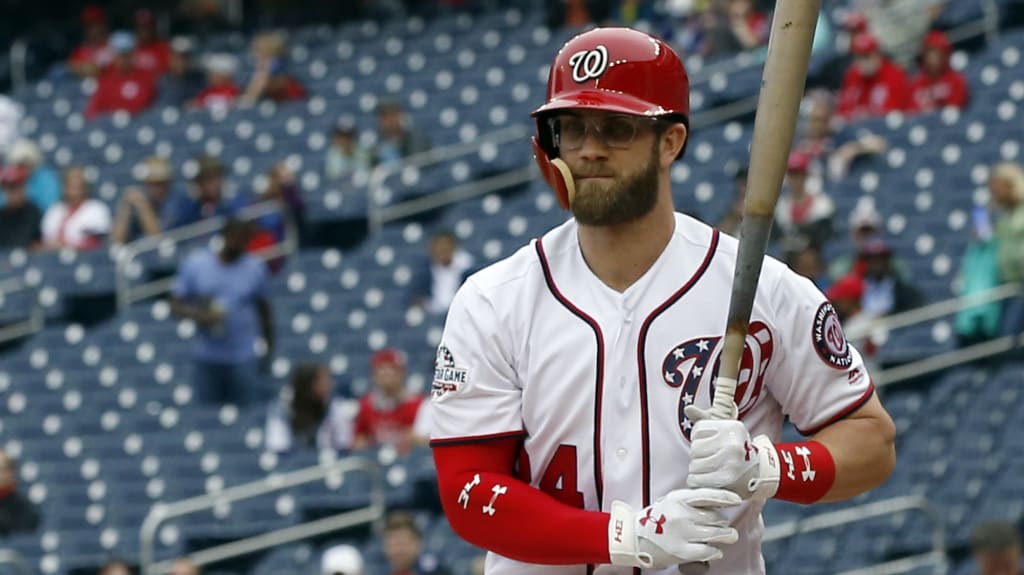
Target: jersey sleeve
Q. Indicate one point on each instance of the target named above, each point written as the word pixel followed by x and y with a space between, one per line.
pixel 820 377
pixel 475 394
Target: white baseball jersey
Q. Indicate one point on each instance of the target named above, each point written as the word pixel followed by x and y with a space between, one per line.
pixel 595 381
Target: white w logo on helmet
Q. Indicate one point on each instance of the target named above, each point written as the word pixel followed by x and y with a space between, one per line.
pixel 589 64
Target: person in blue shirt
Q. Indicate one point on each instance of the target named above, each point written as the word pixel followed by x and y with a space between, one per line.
pixel 44 185
pixel 226 294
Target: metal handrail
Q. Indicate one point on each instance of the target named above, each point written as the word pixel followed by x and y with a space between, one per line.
pixel 867 511
pixel 18 56
pixel 161 512
pixel 12 557
pixel 949 359
pixel 128 294
pixel 37 315
pixel 375 186
pixel 935 310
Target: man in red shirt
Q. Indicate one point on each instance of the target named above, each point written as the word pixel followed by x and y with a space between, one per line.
pixel 937 85
pixel 152 53
pixel 873 85
pixel 93 55
pixel 388 414
pixel 123 86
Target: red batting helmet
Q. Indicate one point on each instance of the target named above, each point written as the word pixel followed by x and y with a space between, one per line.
pixel 614 69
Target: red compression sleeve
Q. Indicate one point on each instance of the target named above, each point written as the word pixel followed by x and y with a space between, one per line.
pixel 807 471
pixel 488 507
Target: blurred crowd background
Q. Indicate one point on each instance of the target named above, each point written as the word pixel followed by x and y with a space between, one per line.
pixel 230 231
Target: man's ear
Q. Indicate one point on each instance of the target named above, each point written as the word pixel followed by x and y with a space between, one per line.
pixel 672 142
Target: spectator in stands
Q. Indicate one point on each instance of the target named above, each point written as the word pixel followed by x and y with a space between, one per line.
pixel 832 154
pixel 44 187
pixel 220 91
pixel 116 567
pixel 996 548
pixel 184 566
pixel 885 292
pixel 389 414
pixel 899 24
pixel 17 514
pixel 730 222
pixel 77 222
pixel 122 87
pixel 635 13
pixel 203 17
pixel 342 560
pixel 805 260
pixel 865 224
pixel 308 416
pixel 152 53
pixel 979 272
pixel 749 26
pixel 397 138
pixel 282 189
pixel 226 294
pixel 802 211
pixel 873 85
pixel 403 548
pixel 270 79
pixel 93 55
pixel 846 296
pixel 576 13
pixel 442 274
pixel 937 85
pixel 1006 185
pixel 345 156
pixel 145 211
pixel 184 80
pixel 206 199
pixel 11 113
pixel 20 219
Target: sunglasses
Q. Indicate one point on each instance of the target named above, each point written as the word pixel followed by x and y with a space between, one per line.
pixel 615 131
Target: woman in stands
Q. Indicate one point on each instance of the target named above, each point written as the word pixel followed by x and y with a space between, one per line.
pixel 77 221
pixel 308 415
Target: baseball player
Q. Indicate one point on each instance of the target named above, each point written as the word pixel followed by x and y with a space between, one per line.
pixel 572 381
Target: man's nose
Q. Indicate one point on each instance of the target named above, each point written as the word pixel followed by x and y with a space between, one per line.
pixel 593 145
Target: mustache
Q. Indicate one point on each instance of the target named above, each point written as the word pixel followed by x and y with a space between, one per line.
pixel 592 172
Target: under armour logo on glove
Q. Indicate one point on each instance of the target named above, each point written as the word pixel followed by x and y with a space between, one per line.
pixel 750 449
pixel 658 523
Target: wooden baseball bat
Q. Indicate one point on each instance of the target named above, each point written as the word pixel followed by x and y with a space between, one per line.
pixel 782 88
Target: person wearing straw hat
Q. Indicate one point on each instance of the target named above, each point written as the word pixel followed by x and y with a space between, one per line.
pixel 145 211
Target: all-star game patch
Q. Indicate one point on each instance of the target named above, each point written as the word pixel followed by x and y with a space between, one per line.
pixel 829 340
pixel 448 378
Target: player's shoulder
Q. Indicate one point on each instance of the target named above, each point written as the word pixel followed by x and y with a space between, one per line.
pixel 726 248
pixel 525 264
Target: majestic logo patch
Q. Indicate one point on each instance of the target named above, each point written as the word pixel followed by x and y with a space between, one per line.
pixel 589 64
pixel 448 378
pixel 828 338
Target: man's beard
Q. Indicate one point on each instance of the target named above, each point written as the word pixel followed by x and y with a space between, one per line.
pixel 622 201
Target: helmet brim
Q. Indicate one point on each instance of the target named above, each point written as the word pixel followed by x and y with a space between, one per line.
pixel 603 100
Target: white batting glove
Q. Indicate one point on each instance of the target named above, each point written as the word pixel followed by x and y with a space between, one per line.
pixel 684 526
pixel 723 456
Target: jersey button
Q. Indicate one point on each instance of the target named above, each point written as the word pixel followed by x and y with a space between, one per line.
pixel 621 452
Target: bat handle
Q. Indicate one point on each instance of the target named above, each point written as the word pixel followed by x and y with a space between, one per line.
pixel 722 407
pixel 723 404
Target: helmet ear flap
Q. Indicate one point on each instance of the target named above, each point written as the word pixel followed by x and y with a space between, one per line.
pixel 556 173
